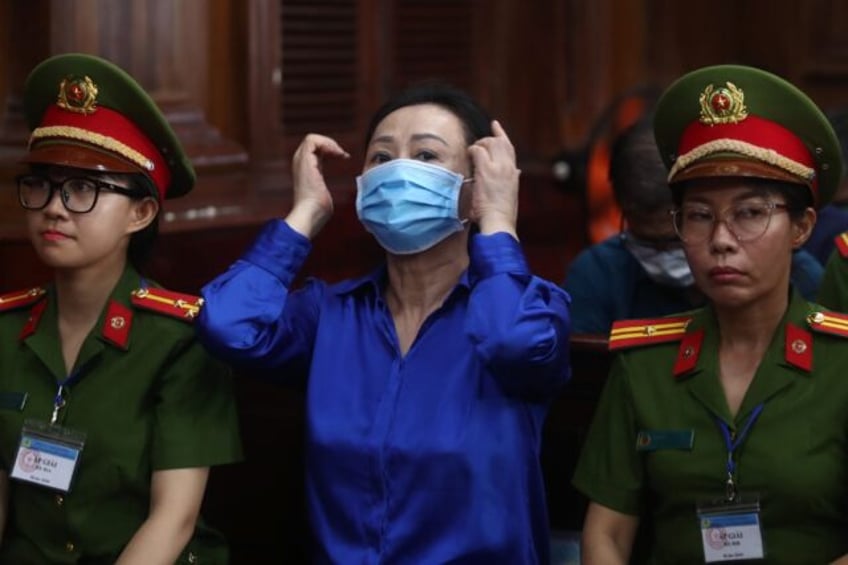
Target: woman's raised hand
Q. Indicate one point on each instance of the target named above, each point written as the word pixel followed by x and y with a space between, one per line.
pixel 313 204
pixel 494 200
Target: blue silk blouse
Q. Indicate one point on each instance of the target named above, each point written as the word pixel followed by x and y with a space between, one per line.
pixel 428 457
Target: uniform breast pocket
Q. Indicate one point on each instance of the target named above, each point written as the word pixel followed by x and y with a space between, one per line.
pixel 12 401
pixel 668 455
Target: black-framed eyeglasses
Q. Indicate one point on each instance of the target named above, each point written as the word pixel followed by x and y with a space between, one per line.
pixel 78 194
pixel 747 221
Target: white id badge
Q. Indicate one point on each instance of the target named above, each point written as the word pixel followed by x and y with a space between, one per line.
pixel 731 532
pixel 47 455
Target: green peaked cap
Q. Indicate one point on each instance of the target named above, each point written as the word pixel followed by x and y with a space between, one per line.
pixel 87 112
pixel 758 123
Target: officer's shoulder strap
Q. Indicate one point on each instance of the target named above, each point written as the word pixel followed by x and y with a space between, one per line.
pixel 21 298
pixel 174 304
pixel 635 333
pixel 841 243
pixel 827 322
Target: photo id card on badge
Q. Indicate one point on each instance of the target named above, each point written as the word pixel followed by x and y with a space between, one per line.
pixel 730 531
pixel 47 455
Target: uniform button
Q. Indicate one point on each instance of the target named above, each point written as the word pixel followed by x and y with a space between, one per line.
pixel 60 500
pixel 192 558
pixel 70 547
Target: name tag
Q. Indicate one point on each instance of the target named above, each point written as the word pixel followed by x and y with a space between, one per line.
pixel 731 534
pixel 47 455
pixel 652 440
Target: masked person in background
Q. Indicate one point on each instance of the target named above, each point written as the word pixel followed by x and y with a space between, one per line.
pixel 642 272
pixel 832 219
pixel 427 380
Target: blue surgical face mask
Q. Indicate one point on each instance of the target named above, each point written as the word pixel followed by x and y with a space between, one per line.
pixel 409 206
pixel 667 266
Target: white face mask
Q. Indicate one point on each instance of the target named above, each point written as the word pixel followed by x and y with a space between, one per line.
pixel 668 266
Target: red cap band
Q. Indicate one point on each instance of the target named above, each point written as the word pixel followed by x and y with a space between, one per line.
pixel 753 130
pixel 106 129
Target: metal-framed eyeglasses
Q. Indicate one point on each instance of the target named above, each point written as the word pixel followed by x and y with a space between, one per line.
pixel 78 194
pixel 747 221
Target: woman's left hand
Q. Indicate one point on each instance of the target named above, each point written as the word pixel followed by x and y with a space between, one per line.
pixel 494 194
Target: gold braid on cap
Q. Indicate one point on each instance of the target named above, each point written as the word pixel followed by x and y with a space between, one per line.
pixel 769 156
pixel 96 139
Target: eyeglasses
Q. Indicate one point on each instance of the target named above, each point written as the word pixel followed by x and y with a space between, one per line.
pixel 747 220
pixel 78 194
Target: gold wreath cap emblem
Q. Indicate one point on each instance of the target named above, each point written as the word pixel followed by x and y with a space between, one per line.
pixel 78 94
pixel 723 105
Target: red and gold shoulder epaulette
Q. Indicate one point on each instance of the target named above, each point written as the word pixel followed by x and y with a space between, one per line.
pixel 841 242
pixel 827 322
pixel 20 298
pixel 175 304
pixel 633 333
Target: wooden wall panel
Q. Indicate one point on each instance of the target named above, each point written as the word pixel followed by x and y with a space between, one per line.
pixel 823 66
pixel 318 42
pixel 825 36
pixel 433 39
pixel 25 34
pixel 806 42
pixel 226 86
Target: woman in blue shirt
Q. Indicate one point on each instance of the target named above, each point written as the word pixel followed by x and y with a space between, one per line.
pixel 429 379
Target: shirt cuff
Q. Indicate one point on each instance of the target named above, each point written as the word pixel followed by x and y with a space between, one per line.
pixel 279 250
pixel 495 254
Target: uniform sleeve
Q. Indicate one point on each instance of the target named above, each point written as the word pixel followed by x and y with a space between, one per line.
pixel 518 323
pixel 610 470
pixel 196 424
pixel 249 316
pixel 833 291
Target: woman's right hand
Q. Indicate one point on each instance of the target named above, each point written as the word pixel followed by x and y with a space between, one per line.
pixel 313 204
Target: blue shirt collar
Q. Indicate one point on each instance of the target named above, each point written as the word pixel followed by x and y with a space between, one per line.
pixel 375 281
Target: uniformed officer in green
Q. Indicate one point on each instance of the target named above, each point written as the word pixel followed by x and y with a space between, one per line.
pixel 725 429
pixel 110 412
pixel 833 291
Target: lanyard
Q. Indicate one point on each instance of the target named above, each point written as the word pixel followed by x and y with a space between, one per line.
pixel 59 399
pixel 732 444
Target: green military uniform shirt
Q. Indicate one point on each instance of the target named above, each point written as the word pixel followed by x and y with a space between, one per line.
pixel 795 456
pixel 148 397
pixel 833 291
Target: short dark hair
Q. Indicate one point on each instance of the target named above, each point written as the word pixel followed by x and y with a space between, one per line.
pixel 638 176
pixel 796 195
pixel 475 120
pixel 142 242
